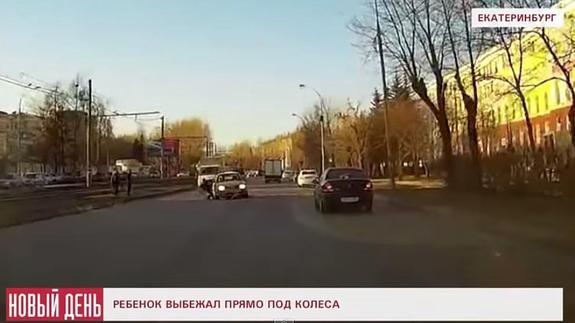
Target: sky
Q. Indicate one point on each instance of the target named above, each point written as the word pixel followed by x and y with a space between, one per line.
pixel 234 63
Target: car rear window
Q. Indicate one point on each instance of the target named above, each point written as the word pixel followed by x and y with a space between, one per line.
pixel 308 172
pixel 345 174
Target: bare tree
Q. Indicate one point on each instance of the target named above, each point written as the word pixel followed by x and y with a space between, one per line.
pixel 518 45
pixel 355 132
pixel 560 45
pixel 466 47
pixel 417 42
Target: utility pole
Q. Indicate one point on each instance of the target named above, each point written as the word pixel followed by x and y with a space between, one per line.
pixel 322 143
pixel 76 124
pixel 162 149
pixel 385 96
pixel 88 128
pixel 19 157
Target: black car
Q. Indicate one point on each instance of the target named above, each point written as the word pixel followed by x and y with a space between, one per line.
pixel 338 188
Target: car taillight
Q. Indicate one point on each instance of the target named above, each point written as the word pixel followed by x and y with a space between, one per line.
pixel 327 187
pixel 368 186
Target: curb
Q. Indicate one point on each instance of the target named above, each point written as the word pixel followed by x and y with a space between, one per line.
pixel 94 206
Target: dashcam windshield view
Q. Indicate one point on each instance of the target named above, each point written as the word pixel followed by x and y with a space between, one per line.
pixel 302 160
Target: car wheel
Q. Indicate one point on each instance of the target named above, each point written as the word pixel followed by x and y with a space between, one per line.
pixel 323 207
pixel 367 207
pixel 320 206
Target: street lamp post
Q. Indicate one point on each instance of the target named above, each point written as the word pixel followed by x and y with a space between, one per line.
pixel 389 162
pixel 321 121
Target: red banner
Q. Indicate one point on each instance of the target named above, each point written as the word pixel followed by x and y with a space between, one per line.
pixel 171 146
pixel 54 304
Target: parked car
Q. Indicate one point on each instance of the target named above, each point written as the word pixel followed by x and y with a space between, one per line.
pixel 53 179
pixel 10 181
pixel 34 179
pixel 59 178
pixel 306 177
pixel 341 187
pixel 183 174
pixel 49 178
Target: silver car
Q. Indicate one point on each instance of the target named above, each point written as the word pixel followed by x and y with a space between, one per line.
pixel 229 185
pixel 10 181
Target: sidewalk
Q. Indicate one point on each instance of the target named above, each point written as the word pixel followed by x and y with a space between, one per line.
pixel 409 183
pixel 546 220
pixel 20 212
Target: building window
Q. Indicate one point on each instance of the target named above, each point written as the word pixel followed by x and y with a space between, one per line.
pixel 529 105
pixel 557 93
pixel 513 109
pixel 545 102
pixel 558 127
pixel 538 134
pixel 567 94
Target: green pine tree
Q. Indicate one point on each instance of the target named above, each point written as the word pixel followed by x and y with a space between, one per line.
pixel 399 90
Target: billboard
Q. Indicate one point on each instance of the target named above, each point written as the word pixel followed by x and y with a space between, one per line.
pixel 171 148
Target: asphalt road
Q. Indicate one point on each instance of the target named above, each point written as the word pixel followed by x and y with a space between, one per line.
pixel 274 238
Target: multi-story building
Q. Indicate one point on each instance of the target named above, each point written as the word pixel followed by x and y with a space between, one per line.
pixel 18 134
pixel 501 118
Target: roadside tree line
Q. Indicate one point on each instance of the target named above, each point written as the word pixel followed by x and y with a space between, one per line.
pixel 449 67
pixel 354 137
pixel 60 143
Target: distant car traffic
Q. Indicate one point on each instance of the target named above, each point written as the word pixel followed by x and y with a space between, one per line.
pixel 229 185
pixel 340 187
pixel 288 175
pixel 306 177
pixel 183 174
pixel 272 170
